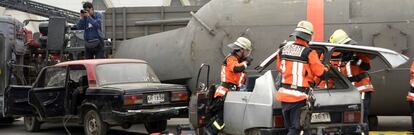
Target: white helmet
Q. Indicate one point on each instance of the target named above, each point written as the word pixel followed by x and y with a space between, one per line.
pixel 241 43
pixel 339 37
pixel 304 30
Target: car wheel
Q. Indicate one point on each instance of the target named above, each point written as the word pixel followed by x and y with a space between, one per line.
pixel 156 126
pixel 7 120
pixel 32 123
pixel 93 124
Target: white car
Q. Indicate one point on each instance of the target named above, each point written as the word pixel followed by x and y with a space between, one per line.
pixel 336 110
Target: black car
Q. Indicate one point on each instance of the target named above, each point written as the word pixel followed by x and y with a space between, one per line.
pixel 98 94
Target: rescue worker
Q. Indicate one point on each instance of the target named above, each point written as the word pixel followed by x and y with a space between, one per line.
pixel 298 65
pixel 232 78
pixel 355 66
pixel 410 96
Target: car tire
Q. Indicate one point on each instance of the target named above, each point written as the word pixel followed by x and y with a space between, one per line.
pixel 156 126
pixel 93 124
pixel 7 120
pixel 32 123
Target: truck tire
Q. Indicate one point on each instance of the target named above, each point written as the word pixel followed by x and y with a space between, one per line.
pixel 32 123
pixel 156 126
pixel 93 124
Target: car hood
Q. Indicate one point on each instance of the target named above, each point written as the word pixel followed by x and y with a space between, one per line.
pixel 131 88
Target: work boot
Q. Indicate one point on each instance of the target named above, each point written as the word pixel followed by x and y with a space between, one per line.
pixel 210 130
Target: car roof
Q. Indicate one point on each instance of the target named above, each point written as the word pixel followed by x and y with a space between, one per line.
pixel 392 58
pixel 359 47
pixel 93 62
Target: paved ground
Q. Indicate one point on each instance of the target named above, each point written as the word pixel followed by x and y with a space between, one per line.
pixel 17 128
pixel 386 124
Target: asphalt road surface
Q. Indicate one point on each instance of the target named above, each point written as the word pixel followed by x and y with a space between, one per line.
pixel 402 123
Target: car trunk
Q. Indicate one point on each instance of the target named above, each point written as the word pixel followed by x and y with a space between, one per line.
pixel 152 95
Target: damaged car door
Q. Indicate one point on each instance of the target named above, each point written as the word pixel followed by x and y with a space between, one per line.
pixel 45 97
pixel 16 101
pixel 241 109
pixel 48 93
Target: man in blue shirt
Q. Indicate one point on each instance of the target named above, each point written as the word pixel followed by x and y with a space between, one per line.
pixel 91 22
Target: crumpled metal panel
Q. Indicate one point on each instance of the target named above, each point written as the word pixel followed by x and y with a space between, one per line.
pixel 241 109
pixel 234 111
pixel 262 99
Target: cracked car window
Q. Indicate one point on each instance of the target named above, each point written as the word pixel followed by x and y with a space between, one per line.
pixel 53 77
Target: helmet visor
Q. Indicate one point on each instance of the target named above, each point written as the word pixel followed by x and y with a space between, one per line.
pixel 234 46
pixel 302 35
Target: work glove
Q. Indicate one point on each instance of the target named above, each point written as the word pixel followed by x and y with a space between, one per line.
pixel 249 61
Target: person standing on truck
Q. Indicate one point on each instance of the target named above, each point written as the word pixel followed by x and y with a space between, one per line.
pixel 298 65
pixel 91 23
pixel 410 96
pixel 355 66
pixel 233 77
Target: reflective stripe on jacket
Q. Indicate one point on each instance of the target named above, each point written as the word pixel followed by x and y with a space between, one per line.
pixel 298 65
pixel 354 69
pixel 232 72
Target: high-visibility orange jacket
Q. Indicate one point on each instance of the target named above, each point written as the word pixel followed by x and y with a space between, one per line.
pixel 232 74
pixel 298 65
pixel 357 72
pixel 410 96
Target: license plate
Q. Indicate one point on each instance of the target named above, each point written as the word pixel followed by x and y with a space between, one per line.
pixel 155 98
pixel 320 117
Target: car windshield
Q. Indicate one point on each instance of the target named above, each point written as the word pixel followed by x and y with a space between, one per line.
pixel 125 73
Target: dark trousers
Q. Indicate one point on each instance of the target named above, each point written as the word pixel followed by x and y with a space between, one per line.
pixel 291 116
pixel 412 114
pixel 98 52
pixel 367 104
pixel 216 116
pixel 77 98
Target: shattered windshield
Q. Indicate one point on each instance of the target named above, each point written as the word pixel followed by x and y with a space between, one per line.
pixel 125 73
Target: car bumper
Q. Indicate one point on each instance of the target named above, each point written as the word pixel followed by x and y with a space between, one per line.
pixel 321 129
pixel 145 115
pixel 273 131
pixel 339 128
